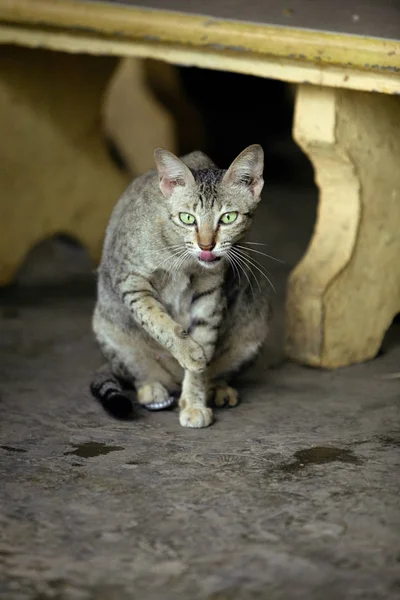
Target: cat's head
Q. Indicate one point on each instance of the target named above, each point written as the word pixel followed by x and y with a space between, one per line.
pixel 209 208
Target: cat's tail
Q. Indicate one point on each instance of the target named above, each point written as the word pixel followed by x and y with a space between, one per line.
pixel 107 388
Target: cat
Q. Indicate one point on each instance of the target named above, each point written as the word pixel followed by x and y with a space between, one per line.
pixel 177 310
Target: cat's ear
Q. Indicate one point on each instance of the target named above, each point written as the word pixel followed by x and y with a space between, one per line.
pixel 247 170
pixel 172 172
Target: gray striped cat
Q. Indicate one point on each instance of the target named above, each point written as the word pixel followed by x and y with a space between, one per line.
pixel 177 310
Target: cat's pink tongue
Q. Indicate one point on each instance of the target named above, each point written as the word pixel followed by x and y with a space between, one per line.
pixel 207 256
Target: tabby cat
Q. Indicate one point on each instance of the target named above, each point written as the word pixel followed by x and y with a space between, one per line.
pixel 179 308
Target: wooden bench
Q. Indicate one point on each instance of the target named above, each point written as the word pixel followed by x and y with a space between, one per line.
pixel 346 61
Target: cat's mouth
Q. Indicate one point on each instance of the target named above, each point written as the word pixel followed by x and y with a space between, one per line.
pixel 207 258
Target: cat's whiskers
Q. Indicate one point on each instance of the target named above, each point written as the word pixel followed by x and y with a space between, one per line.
pixel 184 259
pixel 178 262
pixel 254 260
pixel 255 264
pixel 168 268
pixel 254 243
pixel 259 266
pixel 180 243
pixel 241 259
pixel 236 267
pixel 169 257
pixel 175 261
pixel 236 271
pixel 258 252
pixel 181 261
pixel 243 268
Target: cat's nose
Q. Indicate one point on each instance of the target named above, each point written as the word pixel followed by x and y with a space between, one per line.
pixel 206 247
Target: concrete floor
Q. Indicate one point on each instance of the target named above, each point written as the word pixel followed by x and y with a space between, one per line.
pixel 293 494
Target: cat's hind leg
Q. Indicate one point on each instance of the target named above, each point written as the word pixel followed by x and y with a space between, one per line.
pixel 135 362
pixel 236 354
pixel 154 395
pixel 158 379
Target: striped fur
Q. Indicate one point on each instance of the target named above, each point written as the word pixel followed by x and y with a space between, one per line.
pixel 167 321
pixel 110 392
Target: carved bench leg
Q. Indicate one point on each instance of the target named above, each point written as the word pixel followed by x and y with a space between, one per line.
pixel 56 174
pixel 145 107
pixel 345 292
pixel 133 119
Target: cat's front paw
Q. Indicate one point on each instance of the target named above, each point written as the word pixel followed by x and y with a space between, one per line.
pixel 191 356
pixel 195 416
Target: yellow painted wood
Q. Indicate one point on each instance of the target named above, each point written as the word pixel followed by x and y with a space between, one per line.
pixel 56 174
pixel 134 119
pixel 295 71
pixel 343 295
pixel 193 31
pixel 146 107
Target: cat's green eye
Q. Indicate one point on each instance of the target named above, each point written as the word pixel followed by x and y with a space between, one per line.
pixel 187 218
pixel 229 217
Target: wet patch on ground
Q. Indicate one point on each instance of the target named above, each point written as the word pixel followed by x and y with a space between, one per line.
pixel 92 449
pixel 319 455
